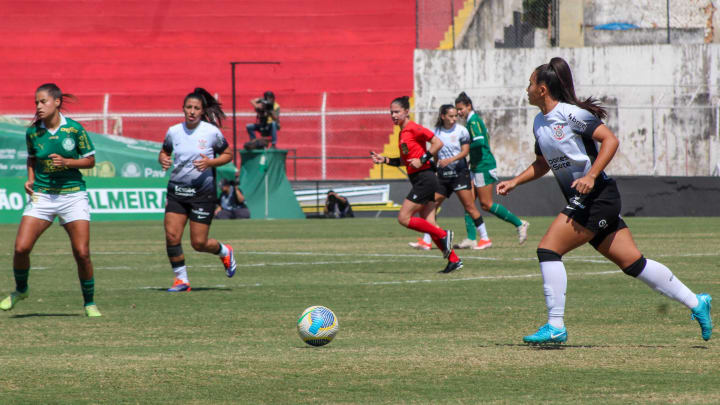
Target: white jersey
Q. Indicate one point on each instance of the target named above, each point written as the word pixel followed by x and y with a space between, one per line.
pixel 564 138
pixel 187 182
pixel 452 140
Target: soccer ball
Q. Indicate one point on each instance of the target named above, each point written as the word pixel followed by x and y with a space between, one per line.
pixel 317 326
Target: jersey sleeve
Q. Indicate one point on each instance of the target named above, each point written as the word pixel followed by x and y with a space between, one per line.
pixel 85 146
pixel 582 122
pixel 220 143
pixel 30 146
pixel 537 149
pixel 478 133
pixel 464 136
pixel 425 135
pixel 167 145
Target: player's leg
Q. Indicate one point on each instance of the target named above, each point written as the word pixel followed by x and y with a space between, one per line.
pixel 563 235
pixel 467 199
pixel 28 233
pixel 485 195
pixel 79 233
pixel 199 231
pixel 620 248
pixel 174 227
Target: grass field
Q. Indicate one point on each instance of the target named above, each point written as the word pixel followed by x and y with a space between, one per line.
pixel 407 334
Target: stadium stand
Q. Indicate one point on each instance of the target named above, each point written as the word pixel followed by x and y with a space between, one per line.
pixel 148 54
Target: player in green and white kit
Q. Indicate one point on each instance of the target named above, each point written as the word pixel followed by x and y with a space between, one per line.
pixel 57 148
pixel 484 172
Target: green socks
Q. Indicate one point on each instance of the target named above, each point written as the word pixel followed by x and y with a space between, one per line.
pixel 470 227
pixel 88 290
pixel 503 213
pixel 21 279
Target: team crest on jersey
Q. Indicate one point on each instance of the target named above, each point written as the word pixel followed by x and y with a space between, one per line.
pixel 404 148
pixel 68 144
pixel 202 143
pixel 558 132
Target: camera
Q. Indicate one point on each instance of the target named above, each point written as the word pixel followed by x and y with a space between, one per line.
pixel 266 105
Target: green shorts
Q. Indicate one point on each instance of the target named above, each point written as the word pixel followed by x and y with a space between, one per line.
pixel 485 177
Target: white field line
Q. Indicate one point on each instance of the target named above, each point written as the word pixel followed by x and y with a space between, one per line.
pixel 500 277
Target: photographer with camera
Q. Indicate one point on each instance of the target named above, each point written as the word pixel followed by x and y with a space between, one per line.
pixel 337 206
pixel 232 202
pixel 267 122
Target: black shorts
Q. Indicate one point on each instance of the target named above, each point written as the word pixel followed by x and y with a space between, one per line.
pixel 448 185
pixel 598 211
pixel 424 186
pixel 201 212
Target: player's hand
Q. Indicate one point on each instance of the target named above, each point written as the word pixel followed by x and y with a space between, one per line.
pixel 57 160
pixel 165 162
pixel 444 162
pixel 416 163
pixel 584 184
pixel 504 187
pixel 202 164
pixel 29 187
pixel 377 158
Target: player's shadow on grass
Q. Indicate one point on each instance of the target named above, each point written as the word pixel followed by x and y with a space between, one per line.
pixel 37 315
pixel 197 289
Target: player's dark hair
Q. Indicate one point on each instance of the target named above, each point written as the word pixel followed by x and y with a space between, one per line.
pixel 557 76
pixel 212 109
pixel 463 98
pixel 53 91
pixel 403 102
pixel 443 110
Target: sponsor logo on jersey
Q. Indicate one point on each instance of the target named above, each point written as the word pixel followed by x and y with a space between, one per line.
pixel 558 132
pixel 559 162
pixel 68 144
pixel 184 191
pixel 578 123
pixel 69 130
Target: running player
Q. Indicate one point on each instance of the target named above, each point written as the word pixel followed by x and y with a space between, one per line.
pixel 484 168
pixel 57 148
pixel 566 130
pixel 452 169
pixel 191 190
pixel 416 158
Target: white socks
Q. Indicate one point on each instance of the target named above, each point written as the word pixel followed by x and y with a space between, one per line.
pixel 554 286
pixel 223 250
pixel 181 273
pixel 662 280
pixel 482 232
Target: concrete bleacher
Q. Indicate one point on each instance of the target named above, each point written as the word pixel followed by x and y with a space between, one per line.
pixel 149 54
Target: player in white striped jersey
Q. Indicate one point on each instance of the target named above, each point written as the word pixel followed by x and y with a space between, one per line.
pixel 199 147
pixel 566 132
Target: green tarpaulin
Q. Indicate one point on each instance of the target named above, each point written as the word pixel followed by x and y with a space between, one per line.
pixel 127 182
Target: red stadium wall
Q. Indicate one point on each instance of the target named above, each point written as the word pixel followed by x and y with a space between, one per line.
pixel 148 54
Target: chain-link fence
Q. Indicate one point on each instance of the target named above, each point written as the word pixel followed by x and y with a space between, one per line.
pixel 451 24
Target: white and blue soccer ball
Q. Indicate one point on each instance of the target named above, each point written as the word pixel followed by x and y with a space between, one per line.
pixel 317 326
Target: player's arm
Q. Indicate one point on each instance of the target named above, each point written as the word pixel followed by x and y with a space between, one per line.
pixel 87 162
pixel 537 169
pixel 478 132
pixel 165 156
pixel 609 144
pixel 31 174
pixel 464 151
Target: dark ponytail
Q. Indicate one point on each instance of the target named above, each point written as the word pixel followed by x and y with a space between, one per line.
pixel 443 110
pixel 403 101
pixel 557 77
pixel 463 98
pixel 212 109
pixel 53 91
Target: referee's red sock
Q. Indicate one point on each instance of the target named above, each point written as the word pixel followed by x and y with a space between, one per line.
pixel 421 225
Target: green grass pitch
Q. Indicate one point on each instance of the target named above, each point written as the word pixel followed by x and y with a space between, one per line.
pixel 407 334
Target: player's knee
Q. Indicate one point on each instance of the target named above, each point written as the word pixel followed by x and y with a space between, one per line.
pixel 403 220
pixel 636 268
pixel 22 249
pixel 174 250
pixel 485 206
pixel 82 254
pixel 547 255
pixel 198 245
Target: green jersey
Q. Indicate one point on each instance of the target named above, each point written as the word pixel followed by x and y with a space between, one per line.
pixel 69 141
pixel 481 159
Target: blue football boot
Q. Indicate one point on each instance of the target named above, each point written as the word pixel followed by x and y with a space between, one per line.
pixel 547 334
pixel 702 313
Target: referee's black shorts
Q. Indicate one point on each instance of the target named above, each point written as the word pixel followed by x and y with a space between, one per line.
pixel 598 211
pixel 424 186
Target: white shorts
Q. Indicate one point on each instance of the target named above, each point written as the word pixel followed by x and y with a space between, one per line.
pixel 68 207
